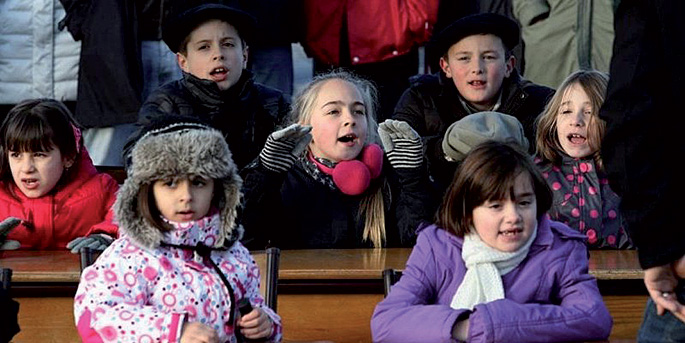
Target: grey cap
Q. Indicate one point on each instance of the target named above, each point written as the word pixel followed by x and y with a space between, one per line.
pixel 474 129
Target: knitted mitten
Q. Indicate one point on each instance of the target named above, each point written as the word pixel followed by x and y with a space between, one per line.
pixel 401 143
pixel 283 147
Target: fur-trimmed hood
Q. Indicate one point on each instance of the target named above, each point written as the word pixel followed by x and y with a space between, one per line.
pixel 179 149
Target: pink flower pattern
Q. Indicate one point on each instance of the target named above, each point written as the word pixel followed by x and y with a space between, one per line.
pixel 151 292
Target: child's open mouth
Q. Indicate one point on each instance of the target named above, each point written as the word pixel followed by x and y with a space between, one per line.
pixel 30 183
pixel 348 139
pixel 510 233
pixel 477 83
pixel 576 138
pixel 218 74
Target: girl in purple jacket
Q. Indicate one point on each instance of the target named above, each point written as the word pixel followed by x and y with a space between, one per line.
pixel 494 268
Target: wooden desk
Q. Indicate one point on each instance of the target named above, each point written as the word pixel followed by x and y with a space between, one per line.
pixel 323 294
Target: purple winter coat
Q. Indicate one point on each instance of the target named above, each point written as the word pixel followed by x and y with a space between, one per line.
pixel 549 297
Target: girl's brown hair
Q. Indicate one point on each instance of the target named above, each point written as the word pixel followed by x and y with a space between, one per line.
pixel 372 206
pixel 547 144
pixel 37 125
pixel 488 172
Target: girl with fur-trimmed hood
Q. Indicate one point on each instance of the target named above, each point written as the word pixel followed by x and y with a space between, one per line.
pixel 178 270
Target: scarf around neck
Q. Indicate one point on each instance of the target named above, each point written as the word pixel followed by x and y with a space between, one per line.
pixel 482 282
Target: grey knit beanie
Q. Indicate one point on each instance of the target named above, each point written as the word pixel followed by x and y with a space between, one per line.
pixel 474 129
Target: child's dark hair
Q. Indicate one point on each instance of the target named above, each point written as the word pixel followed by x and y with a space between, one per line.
pixel 488 172
pixel 37 125
pixel 150 213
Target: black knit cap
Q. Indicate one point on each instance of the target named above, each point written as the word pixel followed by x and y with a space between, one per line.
pixel 177 29
pixel 482 23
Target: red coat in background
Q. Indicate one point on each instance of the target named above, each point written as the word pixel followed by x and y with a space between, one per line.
pixel 77 209
pixel 377 29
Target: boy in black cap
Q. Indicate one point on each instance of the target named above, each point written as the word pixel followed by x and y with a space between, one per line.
pixel 477 75
pixel 210 42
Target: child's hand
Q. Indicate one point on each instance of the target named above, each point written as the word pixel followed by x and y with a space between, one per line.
pixel 5 227
pixel 195 332
pixel 256 324
pixel 283 147
pixel 96 241
pixel 401 143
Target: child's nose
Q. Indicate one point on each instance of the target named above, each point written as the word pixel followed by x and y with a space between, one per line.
pixel 27 165
pixel 217 54
pixel 511 213
pixel 578 119
pixel 477 65
pixel 349 119
pixel 185 193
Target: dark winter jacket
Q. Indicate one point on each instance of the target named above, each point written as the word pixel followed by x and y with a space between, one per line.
pixel 432 104
pixel 294 211
pixel 110 80
pixel 246 113
pixel 584 201
pixel 644 135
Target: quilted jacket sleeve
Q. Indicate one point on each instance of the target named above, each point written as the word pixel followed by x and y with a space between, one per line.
pixel 580 314
pixel 406 315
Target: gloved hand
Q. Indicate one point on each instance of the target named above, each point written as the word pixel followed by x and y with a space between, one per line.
pixel 401 143
pixel 96 241
pixel 283 147
pixel 5 227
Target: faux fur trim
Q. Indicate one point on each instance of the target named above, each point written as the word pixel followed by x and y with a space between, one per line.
pixel 164 154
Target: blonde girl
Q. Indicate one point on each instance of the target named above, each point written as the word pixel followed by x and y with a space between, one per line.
pixel 322 182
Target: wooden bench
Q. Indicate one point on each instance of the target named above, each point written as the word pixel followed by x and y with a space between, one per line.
pixel 322 294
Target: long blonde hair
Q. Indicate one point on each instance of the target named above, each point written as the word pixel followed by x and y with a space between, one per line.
pixel 547 144
pixel 372 206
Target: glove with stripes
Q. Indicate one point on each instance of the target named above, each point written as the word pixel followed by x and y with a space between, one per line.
pixel 283 147
pixel 401 143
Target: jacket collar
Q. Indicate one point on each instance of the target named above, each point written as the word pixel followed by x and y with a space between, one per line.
pixel 205 230
pixel 209 93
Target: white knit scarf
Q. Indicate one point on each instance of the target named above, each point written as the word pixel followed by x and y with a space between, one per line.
pixel 482 282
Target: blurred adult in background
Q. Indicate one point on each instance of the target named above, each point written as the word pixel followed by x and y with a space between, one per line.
pixel 37 59
pixel 271 58
pixel 641 148
pixel 375 39
pixel 561 37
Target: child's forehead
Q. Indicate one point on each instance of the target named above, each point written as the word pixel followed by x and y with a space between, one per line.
pixel 214 27
pixel 477 43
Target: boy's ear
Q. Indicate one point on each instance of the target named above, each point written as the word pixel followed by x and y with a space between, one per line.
pixel 182 61
pixel 246 55
pixel 509 65
pixel 446 67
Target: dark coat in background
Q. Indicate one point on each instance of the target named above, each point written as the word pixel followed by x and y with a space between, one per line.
pixel 110 78
pixel 644 135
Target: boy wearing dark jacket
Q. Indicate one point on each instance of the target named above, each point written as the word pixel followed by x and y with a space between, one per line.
pixel 210 42
pixel 477 75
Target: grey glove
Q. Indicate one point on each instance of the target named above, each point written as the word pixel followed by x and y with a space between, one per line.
pixel 401 143
pixel 96 241
pixel 5 227
pixel 283 147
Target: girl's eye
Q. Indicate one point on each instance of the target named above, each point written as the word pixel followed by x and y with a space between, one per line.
pixel 169 183
pixel 490 57
pixel 525 203
pixel 360 112
pixel 333 112
pixel 39 154
pixel 14 154
pixel 199 182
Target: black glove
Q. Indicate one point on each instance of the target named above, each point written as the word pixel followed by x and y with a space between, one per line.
pixel 283 147
pixel 5 227
pixel 401 143
pixel 96 241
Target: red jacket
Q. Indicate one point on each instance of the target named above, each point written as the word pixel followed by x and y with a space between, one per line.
pixel 77 209
pixel 377 29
